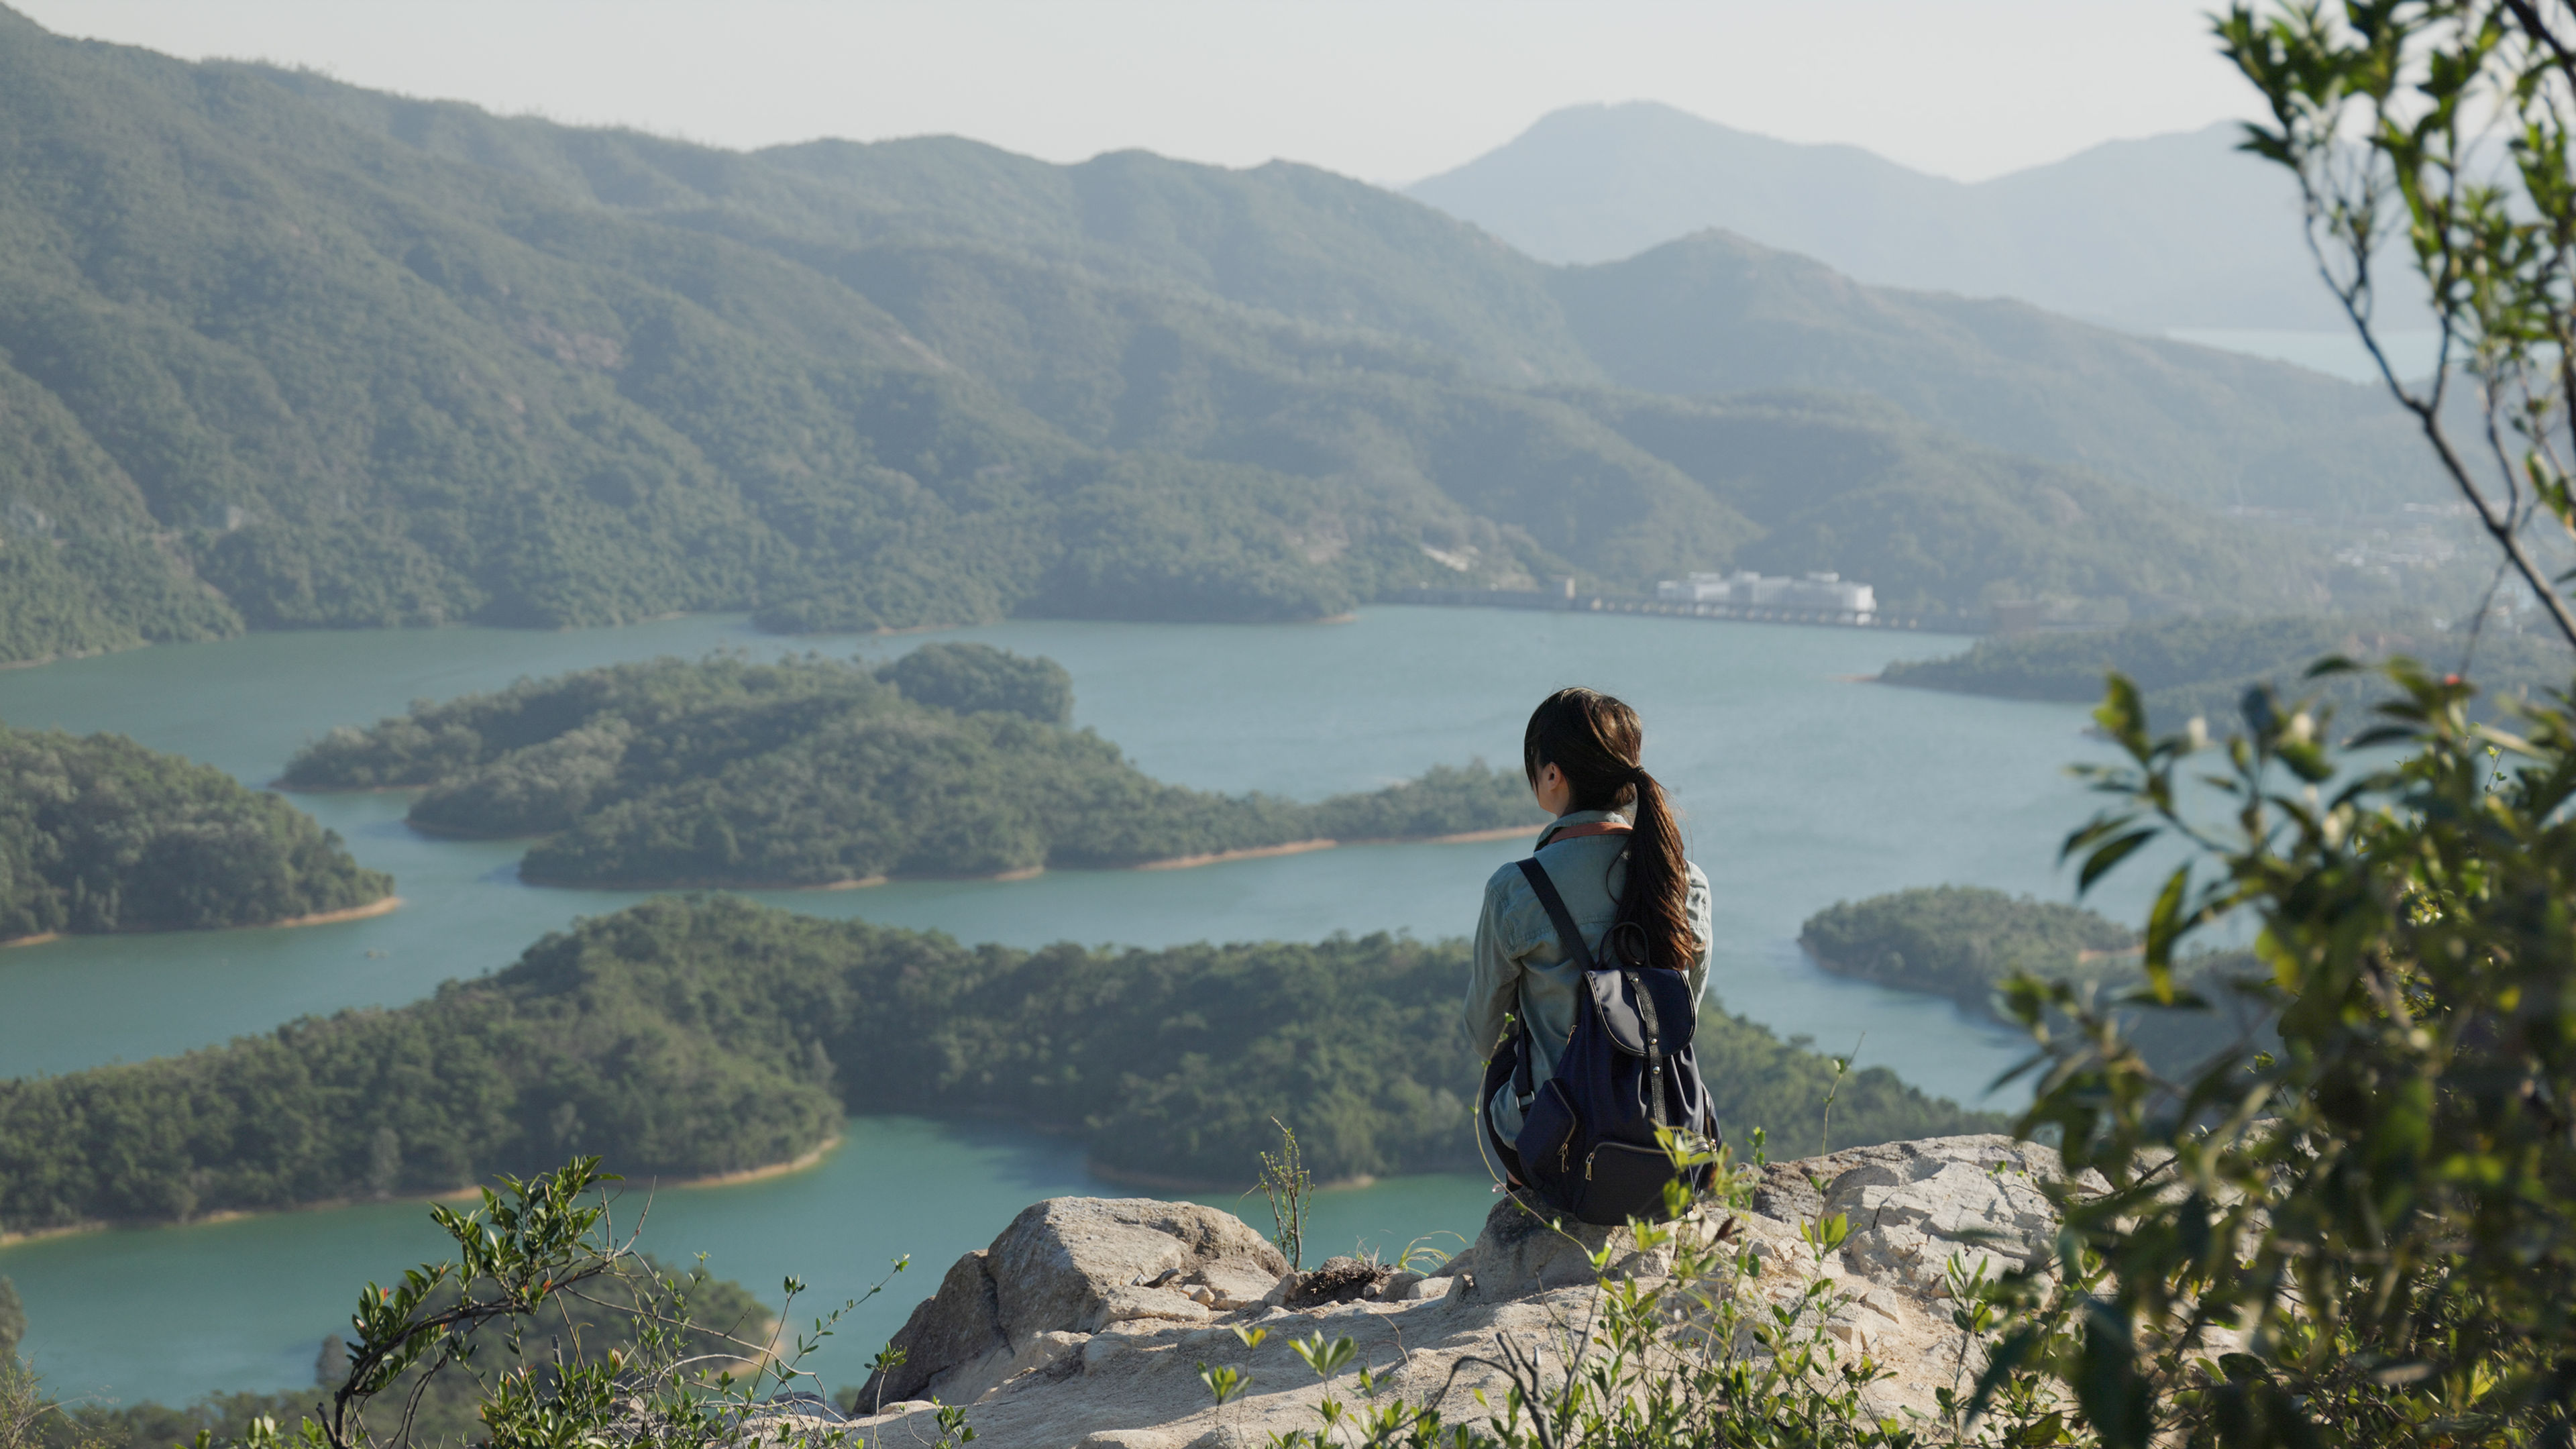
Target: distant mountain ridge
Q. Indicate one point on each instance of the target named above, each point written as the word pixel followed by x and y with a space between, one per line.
pixel 1291 241
pixel 277 352
pixel 2170 231
pixel 1713 313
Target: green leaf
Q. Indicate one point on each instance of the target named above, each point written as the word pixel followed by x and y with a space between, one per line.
pixel 2120 714
pixel 2105 858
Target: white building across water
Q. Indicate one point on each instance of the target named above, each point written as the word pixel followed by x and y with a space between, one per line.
pixel 1745 589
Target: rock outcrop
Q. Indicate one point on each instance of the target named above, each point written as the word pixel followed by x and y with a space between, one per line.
pixel 1066 1269
pixel 1086 1322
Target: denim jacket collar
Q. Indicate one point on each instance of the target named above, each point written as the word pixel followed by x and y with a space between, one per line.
pixel 1581 817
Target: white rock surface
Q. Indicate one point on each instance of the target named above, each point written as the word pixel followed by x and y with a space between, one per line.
pixel 1077 1327
pixel 1072 1265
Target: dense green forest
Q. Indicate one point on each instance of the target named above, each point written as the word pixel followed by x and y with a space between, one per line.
pixel 2203 666
pixel 980 679
pixel 1965 942
pixel 688 1036
pixel 282 353
pixel 101 834
pixel 953 760
pixel 1959 941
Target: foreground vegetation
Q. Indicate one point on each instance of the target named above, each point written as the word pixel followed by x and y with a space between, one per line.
pixel 647 1308
pixel 951 761
pixel 690 1036
pixel 546 1326
pixel 101 834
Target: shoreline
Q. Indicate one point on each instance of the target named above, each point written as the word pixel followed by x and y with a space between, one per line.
pixel 752 1174
pixel 1129 1177
pixel 380 906
pixel 1463 837
pixel 1219 857
pixel 231 1215
pixel 1176 862
pixel 470 1193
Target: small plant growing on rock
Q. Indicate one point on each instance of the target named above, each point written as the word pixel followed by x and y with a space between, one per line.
pixel 1285 1181
pixel 531 1248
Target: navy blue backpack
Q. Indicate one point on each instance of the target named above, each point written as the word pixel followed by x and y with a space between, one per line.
pixel 1587 1141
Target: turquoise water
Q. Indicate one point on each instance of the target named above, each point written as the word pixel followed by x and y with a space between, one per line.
pixel 246 1303
pixel 1802 787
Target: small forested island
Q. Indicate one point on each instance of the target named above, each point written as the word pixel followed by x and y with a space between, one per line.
pixel 956 759
pixel 99 834
pixel 2186 667
pixel 1961 941
pixel 1966 942
pixel 687 1036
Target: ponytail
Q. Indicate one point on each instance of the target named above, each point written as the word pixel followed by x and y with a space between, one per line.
pixel 1596 740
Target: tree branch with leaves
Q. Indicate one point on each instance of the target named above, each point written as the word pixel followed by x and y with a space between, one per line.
pixel 2444 125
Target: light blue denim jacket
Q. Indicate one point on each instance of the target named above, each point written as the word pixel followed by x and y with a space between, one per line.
pixel 1520 967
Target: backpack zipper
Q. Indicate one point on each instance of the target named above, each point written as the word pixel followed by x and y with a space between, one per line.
pixel 1587 1165
pixel 1565 1159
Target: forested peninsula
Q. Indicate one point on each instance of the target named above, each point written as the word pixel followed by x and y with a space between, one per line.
pixel 2202 667
pixel 687 1036
pixel 957 759
pixel 99 834
pixel 1967 942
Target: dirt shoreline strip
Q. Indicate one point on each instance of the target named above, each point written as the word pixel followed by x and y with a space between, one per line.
pixel 1219 857
pixel 756 1174
pixel 381 906
pixel 1160 1182
pixel 454 1194
pixel 1178 862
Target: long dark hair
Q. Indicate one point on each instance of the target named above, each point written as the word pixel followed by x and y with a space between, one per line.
pixel 1595 740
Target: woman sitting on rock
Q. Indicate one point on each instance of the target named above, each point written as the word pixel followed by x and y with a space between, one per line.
pixel 1614 856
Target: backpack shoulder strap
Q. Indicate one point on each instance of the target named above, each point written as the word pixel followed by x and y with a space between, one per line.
pixel 1568 935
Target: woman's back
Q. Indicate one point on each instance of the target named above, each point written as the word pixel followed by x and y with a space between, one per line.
pixel 1520 967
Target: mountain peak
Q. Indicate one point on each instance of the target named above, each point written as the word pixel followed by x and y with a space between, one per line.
pixel 2152 233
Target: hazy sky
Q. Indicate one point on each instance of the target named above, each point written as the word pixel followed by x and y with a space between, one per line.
pixel 1389 90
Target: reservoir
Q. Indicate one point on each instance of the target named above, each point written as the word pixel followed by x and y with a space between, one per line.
pixel 1801 786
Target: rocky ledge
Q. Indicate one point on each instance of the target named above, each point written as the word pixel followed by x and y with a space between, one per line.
pixel 1086 1322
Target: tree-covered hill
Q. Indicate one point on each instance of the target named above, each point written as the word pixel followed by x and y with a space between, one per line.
pixel 1707 313
pixel 346 383
pixel 1714 313
pixel 710 1035
pixel 954 760
pixel 100 834
pixel 280 353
